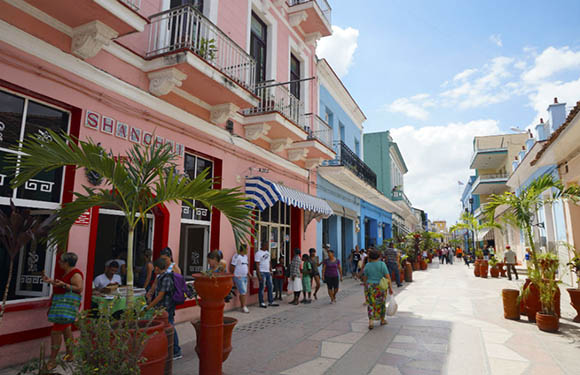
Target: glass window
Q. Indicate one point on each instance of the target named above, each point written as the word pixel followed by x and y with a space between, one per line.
pixel 193 166
pixel 265 215
pixel 275 213
pixel 295 76
pixel 342 131
pixel 258 45
pixel 11 111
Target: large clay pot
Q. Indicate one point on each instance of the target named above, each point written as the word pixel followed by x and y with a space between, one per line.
pixel 401 274
pixel 483 268
pixel 502 270
pixel 416 266
pixel 408 272
pixel 155 349
pixel 547 323
pixel 476 268
pixel 532 301
pixel 164 318
pixel 212 291
pixel 494 272
pixel 575 302
pixel 423 264
pixel 229 324
pixel 511 308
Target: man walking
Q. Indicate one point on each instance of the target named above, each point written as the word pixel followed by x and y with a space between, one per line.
pixel 510 259
pixel 262 260
pixel 393 263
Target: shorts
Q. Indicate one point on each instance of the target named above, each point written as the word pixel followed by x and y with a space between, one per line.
pixel 60 327
pixel 331 282
pixel 242 284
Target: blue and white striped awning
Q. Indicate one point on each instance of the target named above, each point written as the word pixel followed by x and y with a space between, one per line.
pixel 264 193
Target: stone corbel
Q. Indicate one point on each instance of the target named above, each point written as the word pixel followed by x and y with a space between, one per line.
pixel 312 38
pixel 88 39
pixel 313 163
pixel 162 82
pixel 280 144
pixel 297 18
pixel 221 112
pixel 297 154
pixel 256 131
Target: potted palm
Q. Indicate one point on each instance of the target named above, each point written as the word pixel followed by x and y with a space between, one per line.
pixel 494 270
pixel 135 183
pixel 544 279
pixel 574 266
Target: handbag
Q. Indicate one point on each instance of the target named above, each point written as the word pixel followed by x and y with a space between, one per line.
pixel 384 284
pixel 64 308
pixel 392 306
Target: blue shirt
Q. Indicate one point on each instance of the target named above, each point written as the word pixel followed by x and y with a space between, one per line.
pixel 375 271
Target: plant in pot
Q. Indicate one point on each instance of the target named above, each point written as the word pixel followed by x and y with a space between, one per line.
pixel 574 266
pixel 494 270
pixel 544 279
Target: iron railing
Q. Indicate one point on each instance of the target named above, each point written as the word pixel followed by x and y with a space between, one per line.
pixel 322 4
pixel 318 129
pixel 186 28
pixel 401 196
pixel 133 4
pixel 275 97
pixel 347 158
pixel 495 176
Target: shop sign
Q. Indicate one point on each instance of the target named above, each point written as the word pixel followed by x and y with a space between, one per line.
pixel 84 219
pixel 110 126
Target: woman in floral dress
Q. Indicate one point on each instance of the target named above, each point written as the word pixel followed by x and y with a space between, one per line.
pixel 373 272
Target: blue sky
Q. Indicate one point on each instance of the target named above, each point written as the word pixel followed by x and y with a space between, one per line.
pixel 439 72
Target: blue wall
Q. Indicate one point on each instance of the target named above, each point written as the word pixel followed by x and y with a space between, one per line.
pixel 351 131
pixel 376 217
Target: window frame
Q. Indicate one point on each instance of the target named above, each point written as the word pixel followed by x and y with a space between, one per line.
pixel 260 68
pixel 295 87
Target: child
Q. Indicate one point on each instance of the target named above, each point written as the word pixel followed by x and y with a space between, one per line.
pixel 306 281
pixel 279 278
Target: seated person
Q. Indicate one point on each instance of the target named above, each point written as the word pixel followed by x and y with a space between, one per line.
pixel 109 277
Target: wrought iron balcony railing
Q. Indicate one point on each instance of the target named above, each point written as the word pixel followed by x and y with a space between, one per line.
pixel 318 129
pixel 322 4
pixel 401 196
pixel 275 97
pixel 133 4
pixel 185 28
pixel 345 157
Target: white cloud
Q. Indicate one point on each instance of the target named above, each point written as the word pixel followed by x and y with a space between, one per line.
pixel 496 39
pixel 339 49
pixel 544 94
pixel 413 107
pixel 551 61
pixel 436 157
pixel 464 74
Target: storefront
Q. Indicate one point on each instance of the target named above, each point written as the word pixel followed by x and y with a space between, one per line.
pixel 376 225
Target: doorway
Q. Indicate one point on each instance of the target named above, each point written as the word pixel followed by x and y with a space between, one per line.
pixel 193 248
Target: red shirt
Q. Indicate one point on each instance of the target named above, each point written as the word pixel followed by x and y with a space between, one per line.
pixel 67 280
pixel 279 271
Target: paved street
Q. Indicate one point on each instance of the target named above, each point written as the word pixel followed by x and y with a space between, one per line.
pixel 449 322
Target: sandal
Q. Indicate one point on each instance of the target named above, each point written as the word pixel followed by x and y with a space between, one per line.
pixel 384 322
pixel 371 325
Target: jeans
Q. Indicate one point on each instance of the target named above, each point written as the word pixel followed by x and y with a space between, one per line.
pixel 394 268
pixel 266 278
pixel 278 286
pixel 171 318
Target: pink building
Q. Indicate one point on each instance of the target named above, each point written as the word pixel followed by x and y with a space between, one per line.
pixel 230 84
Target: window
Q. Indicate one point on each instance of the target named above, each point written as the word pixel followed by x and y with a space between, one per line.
pixel 273 232
pixel 258 50
pixel 198 4
pixel 341 131
pixel 194 166
pixel 356 147
pixel 329 117
pixel 295 76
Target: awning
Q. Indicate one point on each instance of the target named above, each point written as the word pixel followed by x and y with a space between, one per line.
pixel 264 193
pixel 340 210
pixel 485 235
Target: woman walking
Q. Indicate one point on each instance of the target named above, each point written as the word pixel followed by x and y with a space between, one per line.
pixel 315 260
pixel 295 279
pixel 331 273
pixel 375 297
pixel 306 280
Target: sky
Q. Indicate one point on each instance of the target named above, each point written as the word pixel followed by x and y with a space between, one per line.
pixel 438 73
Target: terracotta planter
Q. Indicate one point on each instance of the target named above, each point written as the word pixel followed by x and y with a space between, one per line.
pixel 164 318
pixel 408 272
pixel 575 302
pixel 476 268
pixel 494 271
pixel 416 266
pixel 483 268
pixel 401 274
pixel 502 270
pixel 155 349
pixel 511 308
pixel 229 324
pixel 212 291
pixel 547 323
pixel 423 265
pixel 532 301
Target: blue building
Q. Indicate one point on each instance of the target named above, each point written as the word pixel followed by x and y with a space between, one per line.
pixel 377 224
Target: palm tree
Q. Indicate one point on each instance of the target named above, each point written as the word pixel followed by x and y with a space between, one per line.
pixel 134 184
pixel 522 207
pixel 469 222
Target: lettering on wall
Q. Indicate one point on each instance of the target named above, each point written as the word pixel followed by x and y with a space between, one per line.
pixel 108 125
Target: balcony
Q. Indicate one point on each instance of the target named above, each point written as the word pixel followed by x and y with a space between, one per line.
pixel 312 16
pixel 319 130
pixel 401 196
pixel 318 147
pixel 347 158
pixel 194 54
pixel 490 184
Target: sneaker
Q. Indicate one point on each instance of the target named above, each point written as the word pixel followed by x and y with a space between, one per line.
pixel 177 356
pixel 245 309
pixel 273 304
pixel 263 305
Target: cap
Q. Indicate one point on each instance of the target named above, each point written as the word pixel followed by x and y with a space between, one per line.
pixel 326 246
pixel 508 247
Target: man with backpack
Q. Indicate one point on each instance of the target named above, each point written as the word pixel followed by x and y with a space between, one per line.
pixel 164 297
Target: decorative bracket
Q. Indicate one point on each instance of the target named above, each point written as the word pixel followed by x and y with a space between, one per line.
pixel 88 39
pixel 297 18
pixel 221 112
pixel 312 38
pixel 313 163
pixel 256 131
pixel 297 154
pixel 280 144
pixel 162 82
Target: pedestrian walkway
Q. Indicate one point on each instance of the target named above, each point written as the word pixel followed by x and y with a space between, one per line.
pixel 449 322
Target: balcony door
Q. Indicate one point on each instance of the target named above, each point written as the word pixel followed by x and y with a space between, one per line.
pixel 198 4
pixel 295 76
pixel 258 49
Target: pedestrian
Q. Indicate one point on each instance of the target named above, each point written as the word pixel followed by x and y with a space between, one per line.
pixel 375 297
pixel 355 261
pixel 306 279
pixel 262 263
pixel 450 255
pixel 168 255
pixel 146 274
pixel 295 280
pixel 331 273
pixel 279 274
pixel 510 259
pixel 214 261
pixel 164 298
pixel 466 258
pixel 315 260
pixel 325 248
pixel 241 271
pixel 64 305
pixel 486 253
pixel 392 258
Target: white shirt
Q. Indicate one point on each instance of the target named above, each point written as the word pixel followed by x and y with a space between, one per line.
pixel 264 258
pixel 102 281
pixel 241 263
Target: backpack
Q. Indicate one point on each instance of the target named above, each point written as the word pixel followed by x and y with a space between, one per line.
pixel 180 289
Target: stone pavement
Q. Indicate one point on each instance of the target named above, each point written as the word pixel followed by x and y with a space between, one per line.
pixel 449 322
